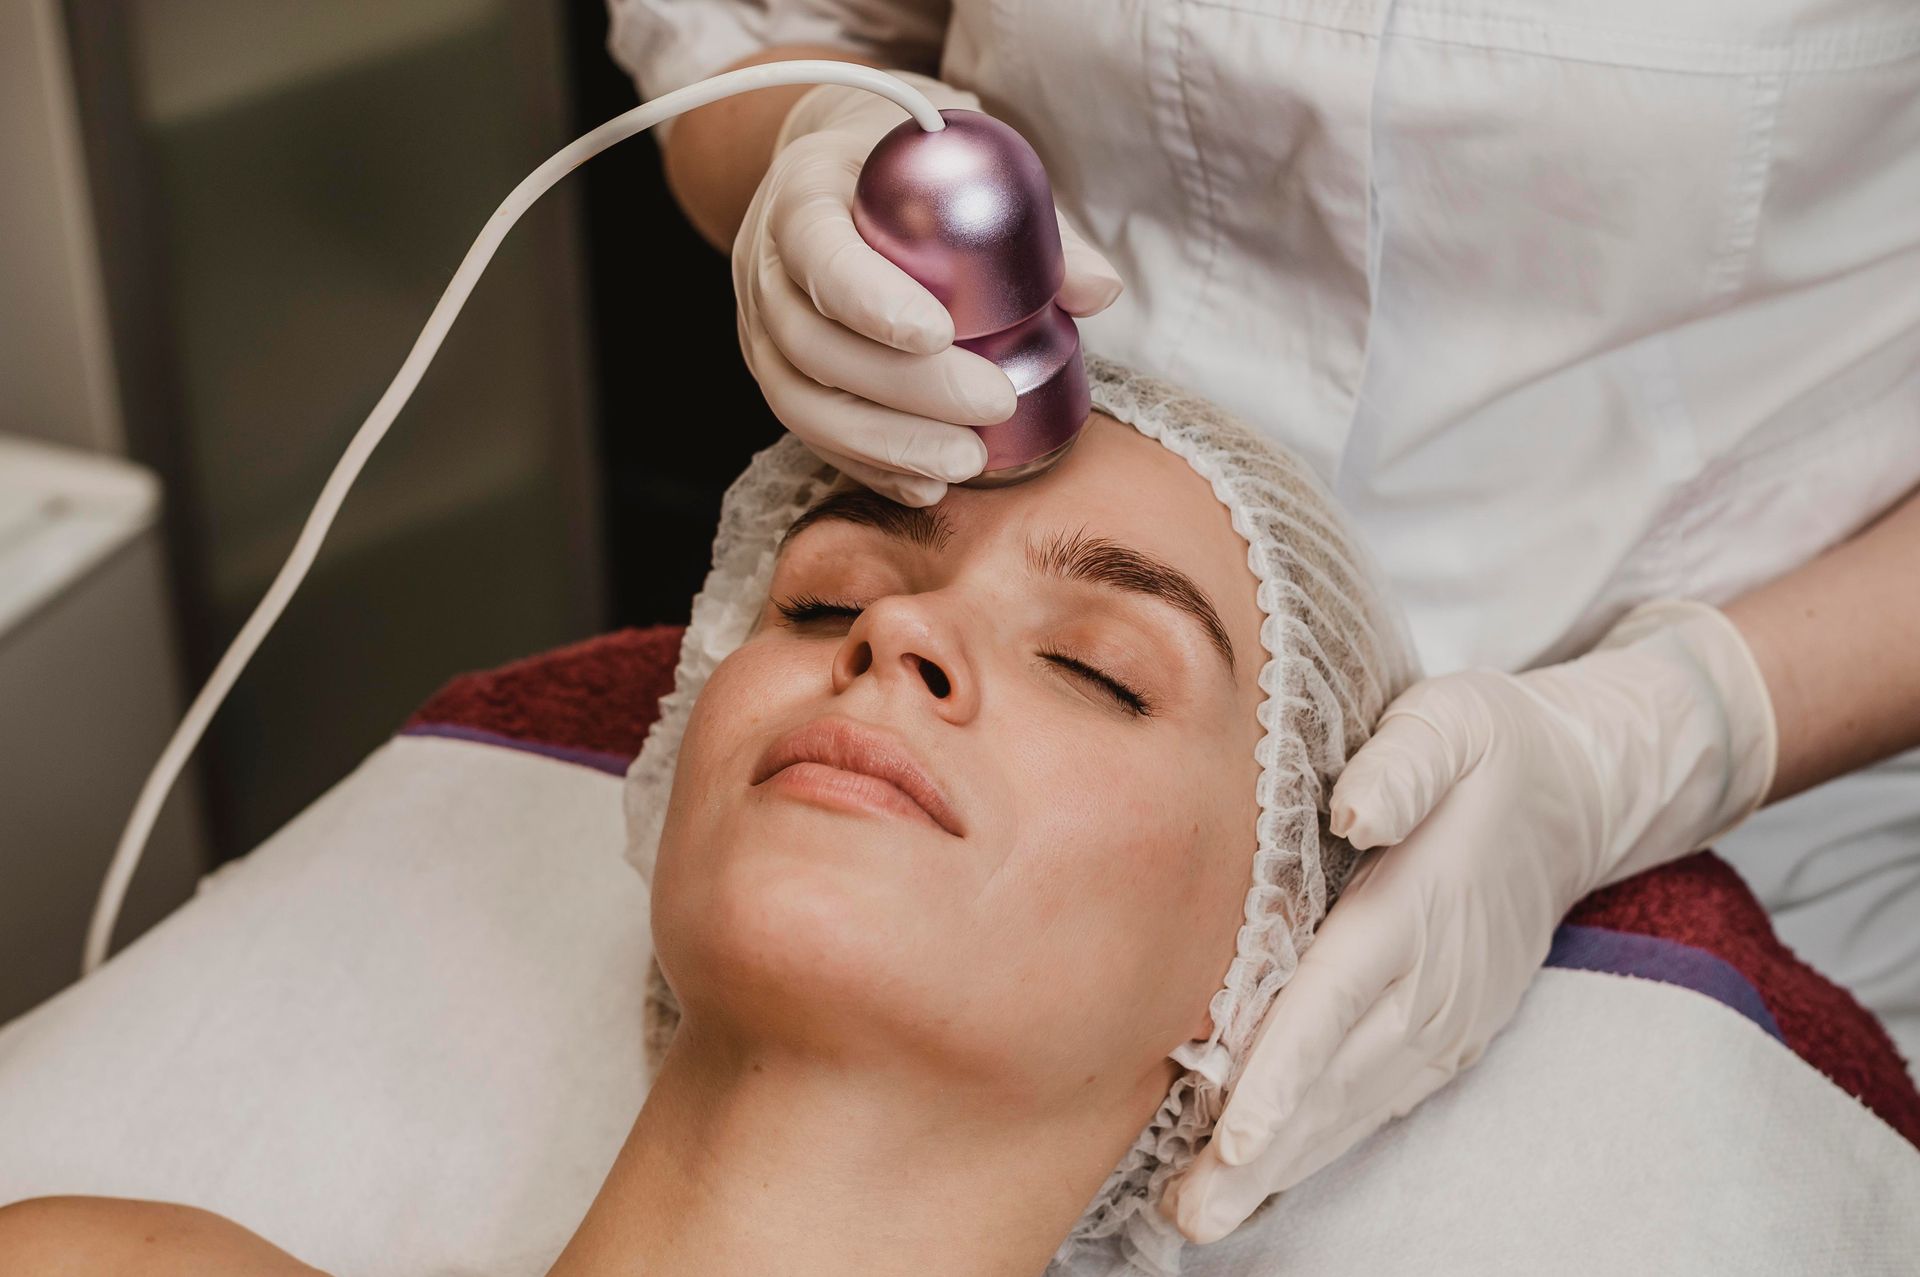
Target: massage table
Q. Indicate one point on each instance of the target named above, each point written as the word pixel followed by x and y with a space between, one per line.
pixel 404 1036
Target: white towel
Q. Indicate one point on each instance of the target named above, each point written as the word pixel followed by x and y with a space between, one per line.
pixel 403 1038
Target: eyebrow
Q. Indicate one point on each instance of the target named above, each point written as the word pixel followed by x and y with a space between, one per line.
pixel 1072 556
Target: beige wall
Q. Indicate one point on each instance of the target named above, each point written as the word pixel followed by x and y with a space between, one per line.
pixel 56 373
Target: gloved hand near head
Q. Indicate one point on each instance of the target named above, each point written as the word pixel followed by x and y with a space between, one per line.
pixel 1493 803
pixel 853 355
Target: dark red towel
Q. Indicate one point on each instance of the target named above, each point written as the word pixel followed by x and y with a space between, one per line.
pixel 601 696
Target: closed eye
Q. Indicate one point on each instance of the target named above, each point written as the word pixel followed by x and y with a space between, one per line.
pixel 1132 700
pixel 806 607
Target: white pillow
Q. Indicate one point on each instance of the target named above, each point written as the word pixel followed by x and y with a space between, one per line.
pixel 403 1037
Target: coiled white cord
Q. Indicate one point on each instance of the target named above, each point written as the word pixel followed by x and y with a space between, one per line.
pixel 153 794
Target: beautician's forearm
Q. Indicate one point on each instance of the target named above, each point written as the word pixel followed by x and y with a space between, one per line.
pixel 1838 642
pixel 716 154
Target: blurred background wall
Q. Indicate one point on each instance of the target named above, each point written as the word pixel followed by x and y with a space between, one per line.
pixel 223 225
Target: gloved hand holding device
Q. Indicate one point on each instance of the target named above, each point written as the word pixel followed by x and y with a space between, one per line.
pixel 853 355
pixel 1494 802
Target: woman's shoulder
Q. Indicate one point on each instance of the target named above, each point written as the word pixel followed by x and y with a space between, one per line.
pixel 110 1236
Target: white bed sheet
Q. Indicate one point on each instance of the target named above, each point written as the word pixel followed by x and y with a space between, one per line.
pixel 403 1037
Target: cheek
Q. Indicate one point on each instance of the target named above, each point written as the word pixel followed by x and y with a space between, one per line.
pixel 727 727
pixel 1116 809
pixel 1133 879
pixel 755 685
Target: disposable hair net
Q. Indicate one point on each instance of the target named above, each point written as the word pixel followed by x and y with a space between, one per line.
pixel 1337 652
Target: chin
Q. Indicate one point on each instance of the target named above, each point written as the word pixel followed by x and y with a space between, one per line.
pixel 801 927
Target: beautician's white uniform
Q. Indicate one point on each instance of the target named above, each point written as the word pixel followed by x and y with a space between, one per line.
pixel 1575 305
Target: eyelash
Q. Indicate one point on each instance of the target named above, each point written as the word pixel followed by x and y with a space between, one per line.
pixel 806 607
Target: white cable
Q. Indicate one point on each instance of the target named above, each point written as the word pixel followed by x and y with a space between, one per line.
pixel 153 794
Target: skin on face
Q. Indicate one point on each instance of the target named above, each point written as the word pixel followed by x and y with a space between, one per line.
pixel 1075 929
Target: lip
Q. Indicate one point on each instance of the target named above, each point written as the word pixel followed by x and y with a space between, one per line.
pixel 857 747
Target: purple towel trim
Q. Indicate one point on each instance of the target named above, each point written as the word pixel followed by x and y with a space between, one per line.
pixel 1657 958
pixel 600 761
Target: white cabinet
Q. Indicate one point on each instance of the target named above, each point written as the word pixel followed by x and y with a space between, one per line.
pixel 89 692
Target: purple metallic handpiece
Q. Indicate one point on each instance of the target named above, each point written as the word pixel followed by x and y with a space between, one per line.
pixel 968 212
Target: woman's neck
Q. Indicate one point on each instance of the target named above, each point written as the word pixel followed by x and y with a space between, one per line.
pixel 748 1162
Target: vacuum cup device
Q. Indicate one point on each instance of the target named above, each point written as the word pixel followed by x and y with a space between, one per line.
pixel 967 211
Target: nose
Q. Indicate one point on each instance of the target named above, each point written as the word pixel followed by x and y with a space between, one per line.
pixel 903 642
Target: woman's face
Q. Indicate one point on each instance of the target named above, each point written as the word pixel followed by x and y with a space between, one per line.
pixel 1067 907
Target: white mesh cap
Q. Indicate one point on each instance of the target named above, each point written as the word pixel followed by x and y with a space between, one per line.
pixel 1337 652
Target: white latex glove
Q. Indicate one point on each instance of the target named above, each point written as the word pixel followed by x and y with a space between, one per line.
pixel 852 354
pixel 1504 799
